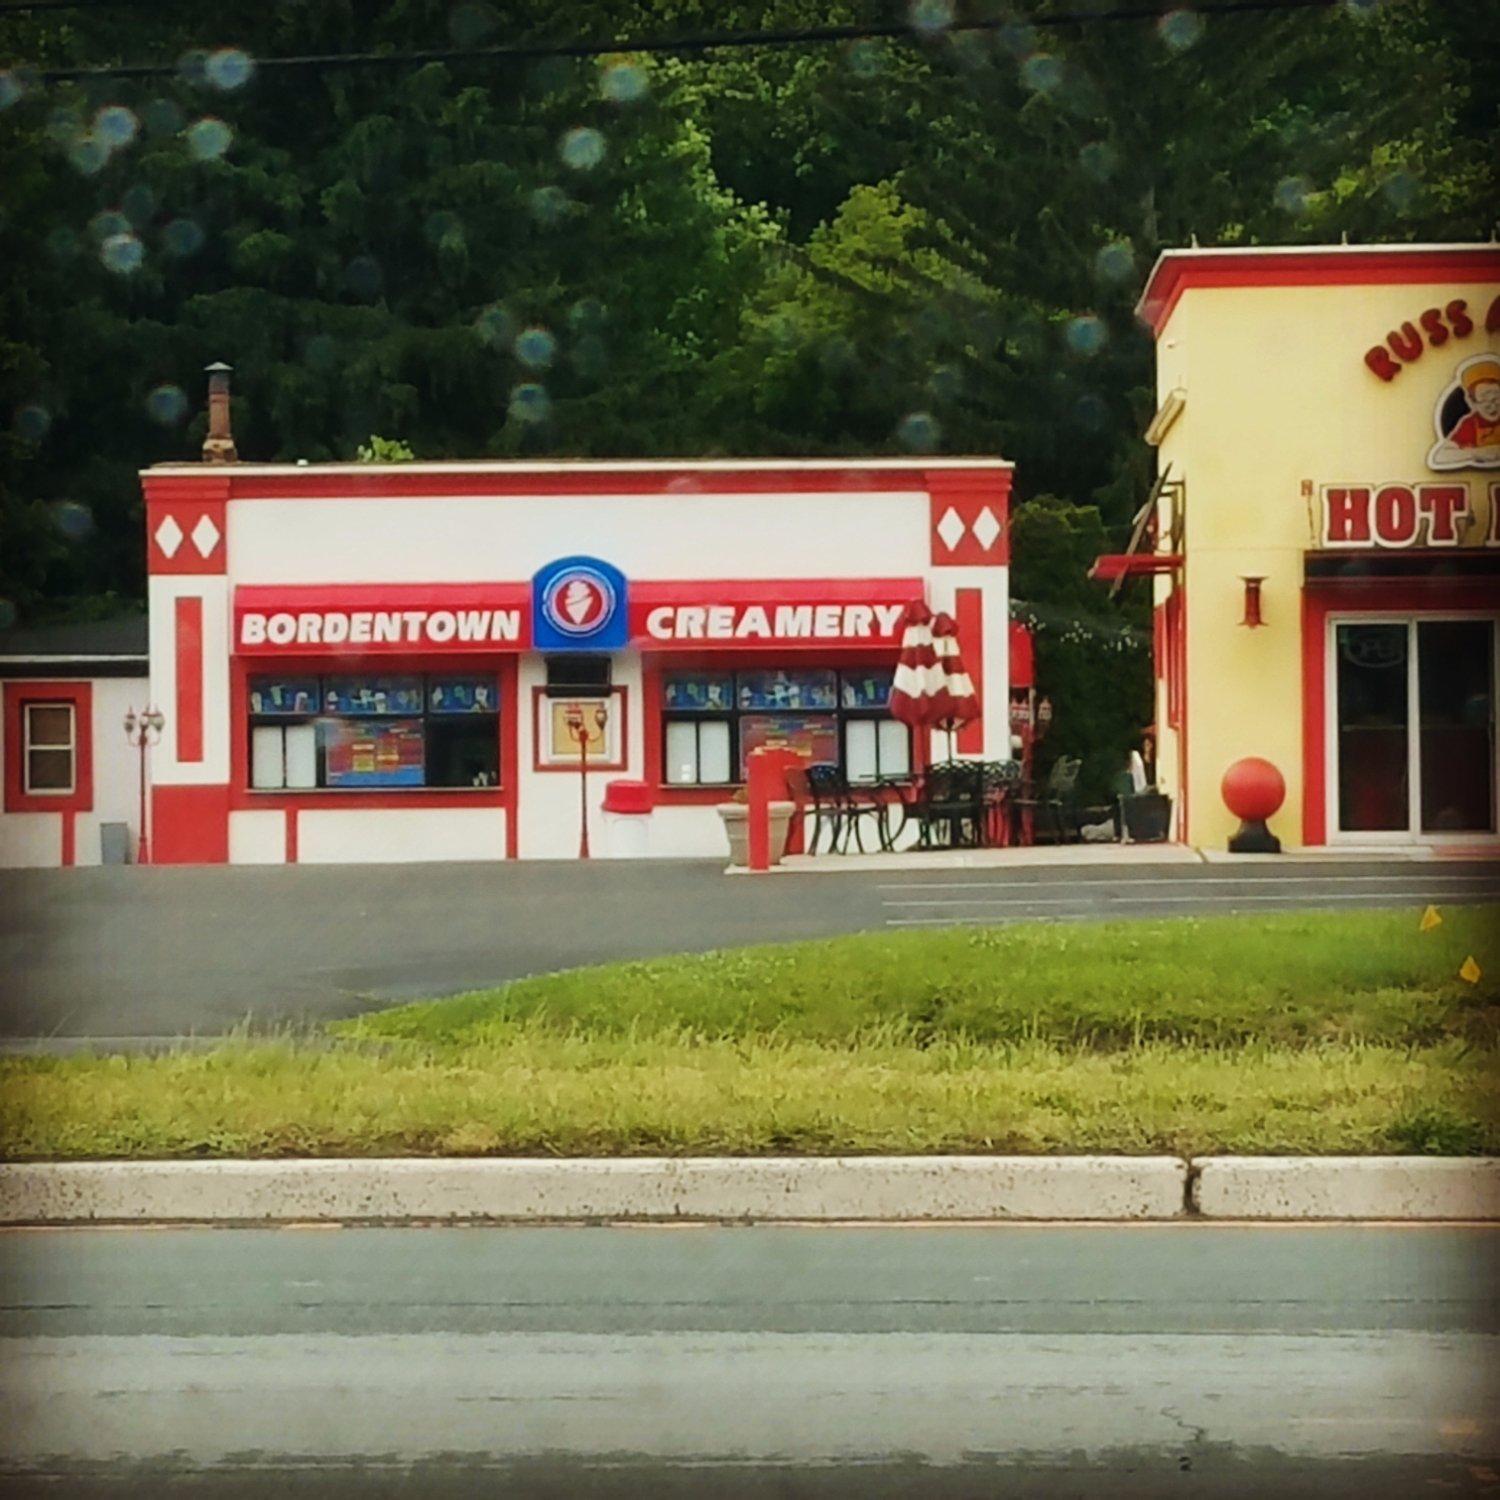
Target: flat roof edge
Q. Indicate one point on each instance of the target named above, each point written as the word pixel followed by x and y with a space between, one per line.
pixel 590 466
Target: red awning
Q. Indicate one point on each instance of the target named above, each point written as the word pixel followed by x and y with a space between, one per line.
pixel 1134 564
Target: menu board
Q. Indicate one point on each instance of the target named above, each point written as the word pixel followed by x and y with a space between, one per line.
pixel 780 689
pixel 372 695
pixel 705 692
pixel 283 695
pixel 381 754
pixel 815 737
pixel 462 695
pixel 867 688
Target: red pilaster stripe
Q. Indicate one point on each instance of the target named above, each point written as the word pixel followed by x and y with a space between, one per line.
pixel 69 840
pixel 189 715
pixel 968 612
pixel 291 836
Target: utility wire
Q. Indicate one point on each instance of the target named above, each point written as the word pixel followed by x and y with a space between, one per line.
pixel 703 42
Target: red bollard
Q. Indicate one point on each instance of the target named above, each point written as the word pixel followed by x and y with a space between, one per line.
pixel 763 782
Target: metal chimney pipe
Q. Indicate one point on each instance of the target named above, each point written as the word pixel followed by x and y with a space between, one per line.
pixel 218 446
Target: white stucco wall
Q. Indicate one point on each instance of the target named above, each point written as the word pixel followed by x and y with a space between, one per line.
pixel 257 838
pixel 399 835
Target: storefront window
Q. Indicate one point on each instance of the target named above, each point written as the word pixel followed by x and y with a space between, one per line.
pixel 712 721
pixel 376 732
pixel 50 748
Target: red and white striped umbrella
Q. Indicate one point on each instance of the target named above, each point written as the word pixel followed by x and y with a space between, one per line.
pixel 955 702
pixel 918 673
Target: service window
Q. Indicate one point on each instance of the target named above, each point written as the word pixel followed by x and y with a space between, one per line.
pixel 51 749
pixel 711 721
pixel 375 732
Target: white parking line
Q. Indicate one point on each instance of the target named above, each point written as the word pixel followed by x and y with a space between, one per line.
pixel 1229 904
pixel 1325 878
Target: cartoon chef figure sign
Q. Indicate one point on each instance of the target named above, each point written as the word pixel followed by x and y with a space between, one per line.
pixel 1467 417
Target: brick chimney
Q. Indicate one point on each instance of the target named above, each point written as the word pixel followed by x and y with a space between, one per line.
pixel 218 446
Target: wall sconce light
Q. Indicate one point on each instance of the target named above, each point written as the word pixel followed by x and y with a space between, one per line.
pixel 1253 616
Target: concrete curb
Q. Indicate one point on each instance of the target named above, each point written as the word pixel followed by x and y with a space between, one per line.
pixel 488 1188
pixel 1112 1189
pixel 1342 1187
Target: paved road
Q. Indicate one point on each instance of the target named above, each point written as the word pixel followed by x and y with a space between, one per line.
pixel 1157 1360
pixel 126 953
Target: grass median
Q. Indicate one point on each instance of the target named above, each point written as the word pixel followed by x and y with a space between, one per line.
pixel 1301 1033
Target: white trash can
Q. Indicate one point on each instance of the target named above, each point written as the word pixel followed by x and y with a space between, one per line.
pixel 627 819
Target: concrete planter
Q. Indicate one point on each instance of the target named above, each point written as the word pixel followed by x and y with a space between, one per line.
pixel 734 816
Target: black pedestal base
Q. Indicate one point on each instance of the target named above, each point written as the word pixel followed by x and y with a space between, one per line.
pixel 1254 838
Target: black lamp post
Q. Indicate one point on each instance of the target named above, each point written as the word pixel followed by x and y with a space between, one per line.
pixel 142 731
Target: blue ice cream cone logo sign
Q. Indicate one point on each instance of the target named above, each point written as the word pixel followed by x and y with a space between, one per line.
pixel 579 604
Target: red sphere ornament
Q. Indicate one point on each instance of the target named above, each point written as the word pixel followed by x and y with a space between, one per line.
pixel 1253 790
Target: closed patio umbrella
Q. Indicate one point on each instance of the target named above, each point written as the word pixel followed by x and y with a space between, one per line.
pixel 918 674
pixel 955 702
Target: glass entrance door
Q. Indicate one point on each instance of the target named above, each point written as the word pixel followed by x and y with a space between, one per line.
pixel 1415 731
pixel 1456 703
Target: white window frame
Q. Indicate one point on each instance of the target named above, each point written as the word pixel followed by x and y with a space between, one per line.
pixel 1412 834
pixel 27 747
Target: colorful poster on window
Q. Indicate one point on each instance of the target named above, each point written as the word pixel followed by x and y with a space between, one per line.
pixel 699 691
pixel 462 695
pixel 794 690
pixel 283 695
pixel 376 754
pixel 815 737
pixel 372 695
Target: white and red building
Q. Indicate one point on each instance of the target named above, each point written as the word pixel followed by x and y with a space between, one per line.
pixel 374 663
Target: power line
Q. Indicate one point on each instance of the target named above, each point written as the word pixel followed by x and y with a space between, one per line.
pixel 703 42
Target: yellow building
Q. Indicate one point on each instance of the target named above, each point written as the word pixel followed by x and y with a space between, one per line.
pixel 1324 540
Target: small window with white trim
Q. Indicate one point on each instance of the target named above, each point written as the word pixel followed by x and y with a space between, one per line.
pixel 50 748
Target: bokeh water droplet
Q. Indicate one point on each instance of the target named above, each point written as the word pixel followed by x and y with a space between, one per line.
pixel 162 117
pixel 1115 261
pixel 919 431
pixel 582 149
pixel 320 352
pixel 1400 190
pixel 73 520
pixel 1099 159
pixel 535 348
pixel 167 405
pixel 62 243
pixel 139 203
pixel 116 126
pixel 471 23
pixel 865 58
pixel 32 421
pixel 624 83
pixel 192 67
pixel 589 356
pixel 229 69
pixel 208 139
pixel 945 382
pixel 11 89
pixel 587 315
pixel 1091 412
pixel 1086 335
pixel 550 206
pixel 363 277
pixel 122 254
pixel 64 126
pixel 930 16
pixel 1018 38
pixel 1042 72
pixel 495 326
pixel 182 237
pixel 88 154
pixel 1291 194
pixel 1179 29
pixel 530 403
pixel 109 221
